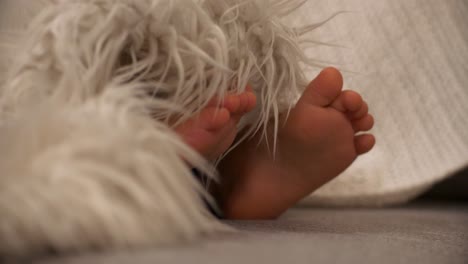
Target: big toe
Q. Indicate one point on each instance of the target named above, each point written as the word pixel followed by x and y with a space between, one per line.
pixel 324 89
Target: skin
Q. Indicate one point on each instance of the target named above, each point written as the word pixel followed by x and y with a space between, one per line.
pixel 213 130
pixel 318 141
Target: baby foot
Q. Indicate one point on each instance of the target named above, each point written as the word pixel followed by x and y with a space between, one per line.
pixel 318 142
pixel 213 130
pixel 326 120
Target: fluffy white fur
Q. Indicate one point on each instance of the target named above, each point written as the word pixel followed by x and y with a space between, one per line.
pixel 84 164
pixel 95 175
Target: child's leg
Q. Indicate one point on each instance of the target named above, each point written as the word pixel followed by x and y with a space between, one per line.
pixel 317 143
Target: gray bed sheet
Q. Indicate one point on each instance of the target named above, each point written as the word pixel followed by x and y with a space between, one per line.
pixel 422 232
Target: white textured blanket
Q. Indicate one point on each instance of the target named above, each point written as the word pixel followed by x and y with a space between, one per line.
pixel 409 58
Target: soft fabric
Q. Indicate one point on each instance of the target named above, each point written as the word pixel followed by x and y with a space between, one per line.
pixel 409 59
pixel 428 233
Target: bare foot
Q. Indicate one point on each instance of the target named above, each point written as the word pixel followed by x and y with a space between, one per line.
pixel 213 130
pixel 317 143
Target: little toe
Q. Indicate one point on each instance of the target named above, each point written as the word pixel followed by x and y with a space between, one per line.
pixel 244 103
pixel 241 103
pixel 364 124
pixel 324 89
pixel 364 143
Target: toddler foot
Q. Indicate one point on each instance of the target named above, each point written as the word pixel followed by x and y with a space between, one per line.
pixel 213 130
pixel 318 141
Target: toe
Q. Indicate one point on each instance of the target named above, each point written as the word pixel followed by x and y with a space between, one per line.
pixel 348 101
pixel 362 112
pixel 233 103
pixel 324 89
pixel 237 103
pixel 352 101
pixel 213 118
pixel 364 124
pixel 364 143
pixel 249 100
